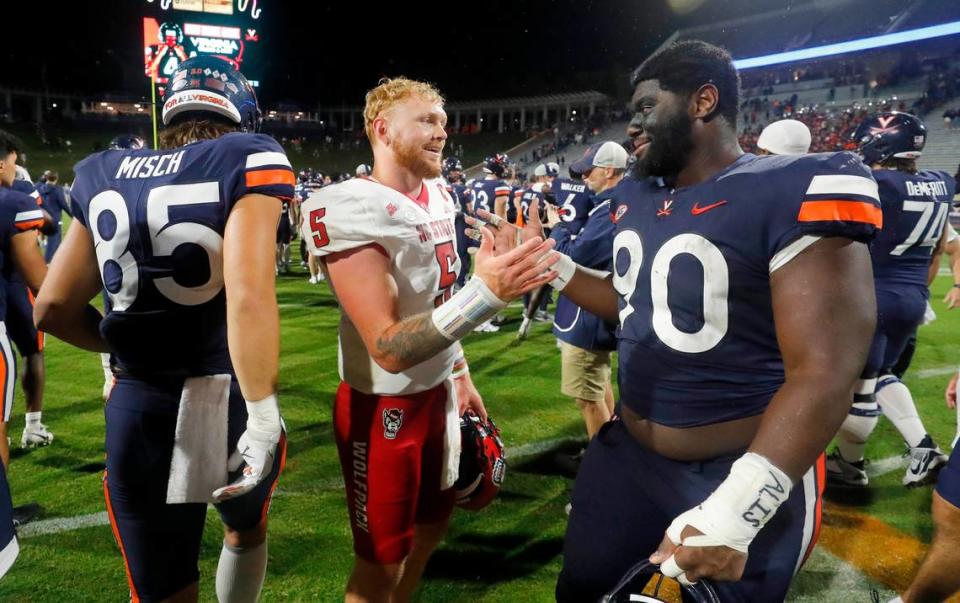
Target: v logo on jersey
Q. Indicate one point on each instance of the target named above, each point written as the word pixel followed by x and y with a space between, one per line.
pixel 666 209
pixel 697 210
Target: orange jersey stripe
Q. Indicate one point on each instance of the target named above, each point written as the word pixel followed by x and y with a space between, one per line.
pixel 832 210
pixel 265 177
pixel 29 225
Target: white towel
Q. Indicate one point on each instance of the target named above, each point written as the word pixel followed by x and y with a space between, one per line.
pixel 451 439
pixel 199 463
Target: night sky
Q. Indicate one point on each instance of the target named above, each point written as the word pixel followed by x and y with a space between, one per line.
pixel 331 52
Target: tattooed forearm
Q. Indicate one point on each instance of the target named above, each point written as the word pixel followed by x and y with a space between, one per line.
pixel 410 342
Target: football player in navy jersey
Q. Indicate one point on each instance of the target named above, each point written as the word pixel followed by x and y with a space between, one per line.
pixel 28 340
pixel 571 195
pixel 181 240
pixel 492 193
pixel 742 287
pixel 916 204
pixel 19 254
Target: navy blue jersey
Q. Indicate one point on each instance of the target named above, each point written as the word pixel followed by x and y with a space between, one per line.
pixel 18 213
pixel 532 193
pixel 915 209
pixel 486 191
pixel 697 343
pixel 157 219
pixel 53 200
pixel 574 200
pixel 460 196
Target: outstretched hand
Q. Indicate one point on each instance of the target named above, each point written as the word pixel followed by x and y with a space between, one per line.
pixel 508 268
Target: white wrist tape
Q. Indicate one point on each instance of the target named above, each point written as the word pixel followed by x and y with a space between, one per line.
pixel 565 268
pixel 739 508
pixel 469 308
pixel 263 419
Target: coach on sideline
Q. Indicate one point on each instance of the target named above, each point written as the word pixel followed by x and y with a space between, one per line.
pixel 585 339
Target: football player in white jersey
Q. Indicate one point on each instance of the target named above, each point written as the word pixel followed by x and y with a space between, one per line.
pixel 388 246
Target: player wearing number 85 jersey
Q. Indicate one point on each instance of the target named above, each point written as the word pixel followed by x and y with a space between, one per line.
pixel 742 289
pixel 387 243
pixel 181 241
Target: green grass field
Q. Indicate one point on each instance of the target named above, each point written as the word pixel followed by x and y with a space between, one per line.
pixel 508 552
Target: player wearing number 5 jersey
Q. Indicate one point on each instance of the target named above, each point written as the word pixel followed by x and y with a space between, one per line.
pixel 387 243
pixel 915 209
pixel 742 288
pixel 181 241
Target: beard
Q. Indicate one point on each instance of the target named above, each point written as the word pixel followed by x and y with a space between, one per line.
pixel 671 141
pixel 411 157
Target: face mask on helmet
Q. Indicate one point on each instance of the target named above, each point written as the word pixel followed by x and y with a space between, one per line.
pixel 643 582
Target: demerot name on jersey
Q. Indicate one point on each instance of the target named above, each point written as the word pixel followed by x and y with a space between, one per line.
pixel 922 189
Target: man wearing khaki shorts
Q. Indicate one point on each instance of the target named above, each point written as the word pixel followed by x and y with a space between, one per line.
pixel 585 340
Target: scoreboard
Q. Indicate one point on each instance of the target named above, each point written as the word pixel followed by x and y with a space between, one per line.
pixel 176 30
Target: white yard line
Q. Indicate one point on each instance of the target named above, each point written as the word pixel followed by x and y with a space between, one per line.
pixel 57 525
pixel 933 372
pixel 63 524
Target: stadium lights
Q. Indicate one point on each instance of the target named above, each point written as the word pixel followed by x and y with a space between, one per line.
pixel 902 37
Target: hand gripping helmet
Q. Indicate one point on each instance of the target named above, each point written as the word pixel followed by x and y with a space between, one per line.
pixel 496 164
pixel 633 584
pixel 893 134
pixel 482 462
pixel 126 141
pixel 209 84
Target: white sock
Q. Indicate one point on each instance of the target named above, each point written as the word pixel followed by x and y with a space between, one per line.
pixel 240 573
pixel 33 418
pixel 860 422
pixel 897 405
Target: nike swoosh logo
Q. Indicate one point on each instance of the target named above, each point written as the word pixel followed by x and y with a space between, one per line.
pixel 697 210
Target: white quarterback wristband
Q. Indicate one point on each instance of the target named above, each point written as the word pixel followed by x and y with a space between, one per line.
pixel 263 419
pixel 469 308
pixel 739 508
pixel 565 268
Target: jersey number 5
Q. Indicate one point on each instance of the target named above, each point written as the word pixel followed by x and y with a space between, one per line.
pixel 318 228
pixel 447 258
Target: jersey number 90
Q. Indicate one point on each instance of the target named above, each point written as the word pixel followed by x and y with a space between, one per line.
pixel 627 260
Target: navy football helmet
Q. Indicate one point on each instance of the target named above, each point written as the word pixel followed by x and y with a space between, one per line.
pixel 305 175
pixel 483 462
pixel 452 164
pixel 210 84
pixel 890 135
pixel 633 583
pixel 496 164
pixel 126 141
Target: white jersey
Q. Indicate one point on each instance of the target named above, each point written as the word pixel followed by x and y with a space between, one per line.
pixel 421 244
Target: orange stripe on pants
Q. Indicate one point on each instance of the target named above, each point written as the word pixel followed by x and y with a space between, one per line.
pixel 134 597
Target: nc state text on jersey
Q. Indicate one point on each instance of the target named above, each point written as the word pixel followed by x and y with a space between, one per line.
pixel 149 166
pixel 438 229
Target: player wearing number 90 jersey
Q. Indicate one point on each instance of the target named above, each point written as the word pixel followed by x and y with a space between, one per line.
pixel 698 344
pixel 181 240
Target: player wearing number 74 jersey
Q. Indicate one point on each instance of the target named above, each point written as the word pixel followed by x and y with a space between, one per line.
pixel 387 242
pixel 181 241
pixel 742 286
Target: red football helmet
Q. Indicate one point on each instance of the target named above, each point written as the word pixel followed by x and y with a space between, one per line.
pixel 482 462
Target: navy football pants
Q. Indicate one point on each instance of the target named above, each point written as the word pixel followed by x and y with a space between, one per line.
pixel 160 543
pixel 899 313
pixel 625 496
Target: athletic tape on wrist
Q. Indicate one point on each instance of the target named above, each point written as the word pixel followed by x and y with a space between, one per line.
pixel 739 508
pixel 469 308
pixel 263 419
pixel 565 268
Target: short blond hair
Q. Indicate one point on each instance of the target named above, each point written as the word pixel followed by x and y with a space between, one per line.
pixel 389 92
